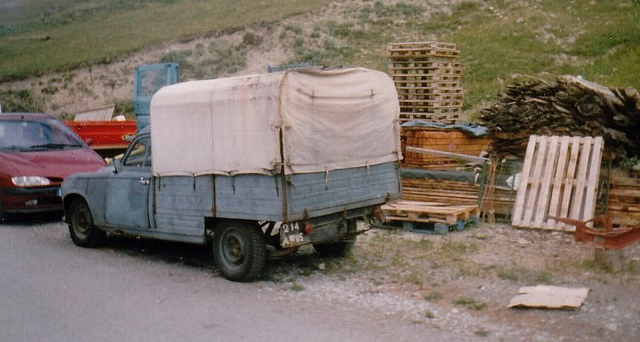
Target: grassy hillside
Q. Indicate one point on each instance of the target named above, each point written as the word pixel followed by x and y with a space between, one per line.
pixel 38 36
pixel 498 39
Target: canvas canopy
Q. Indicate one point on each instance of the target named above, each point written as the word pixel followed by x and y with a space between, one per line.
pixel 296 121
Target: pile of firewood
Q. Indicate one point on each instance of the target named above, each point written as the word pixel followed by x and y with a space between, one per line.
pixel 566 105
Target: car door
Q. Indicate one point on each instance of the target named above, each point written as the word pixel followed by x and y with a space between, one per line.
pixel 127 200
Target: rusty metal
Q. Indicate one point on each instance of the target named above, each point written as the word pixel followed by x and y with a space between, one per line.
pixel 605 235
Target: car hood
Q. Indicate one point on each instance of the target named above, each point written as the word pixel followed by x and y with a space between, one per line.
pixel 51 164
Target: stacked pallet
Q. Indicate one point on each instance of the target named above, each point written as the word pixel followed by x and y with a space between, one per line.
pixel 427 78
pixel 458 192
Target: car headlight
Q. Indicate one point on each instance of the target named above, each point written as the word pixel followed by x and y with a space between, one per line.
pixel 27 181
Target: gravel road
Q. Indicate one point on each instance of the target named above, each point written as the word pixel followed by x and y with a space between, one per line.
pixel 394 285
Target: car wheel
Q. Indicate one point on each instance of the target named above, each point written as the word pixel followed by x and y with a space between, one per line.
pixel 336 249
pixel 239 250
pixel 81 228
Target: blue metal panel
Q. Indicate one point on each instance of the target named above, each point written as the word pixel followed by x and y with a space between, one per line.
pixel 322 194
pixel 182 203
pixel 251 197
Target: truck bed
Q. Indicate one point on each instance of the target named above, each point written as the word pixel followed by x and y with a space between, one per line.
pixel 260 197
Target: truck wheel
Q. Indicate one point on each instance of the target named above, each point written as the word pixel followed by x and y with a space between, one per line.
pixel 336 249
pixel 239 250
pixel 81 228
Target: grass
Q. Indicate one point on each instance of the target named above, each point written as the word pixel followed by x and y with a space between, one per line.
pixel 20 101
pixel 39 38
pixel 469 303
pixel 295 287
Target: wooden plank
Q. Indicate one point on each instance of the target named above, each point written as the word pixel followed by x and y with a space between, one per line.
pixel 534 180
pixel 543 201
pixel 557 182
pixel 446 154
pixel 518 207
pixel 577 206
pixel 592 179
pixel 568 180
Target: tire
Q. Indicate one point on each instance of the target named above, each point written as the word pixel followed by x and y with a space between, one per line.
pixel 81 228
pixel 336 249
pixel 239 250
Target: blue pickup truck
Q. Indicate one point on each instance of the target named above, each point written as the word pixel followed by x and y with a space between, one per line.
pixel 255 165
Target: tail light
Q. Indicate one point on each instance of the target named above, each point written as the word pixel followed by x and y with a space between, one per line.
pixel 308 228
pixel 377 212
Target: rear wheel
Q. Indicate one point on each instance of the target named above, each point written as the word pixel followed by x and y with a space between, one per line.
pixel 81 228
pixel 239 250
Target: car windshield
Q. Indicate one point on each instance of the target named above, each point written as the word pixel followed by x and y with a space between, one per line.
pixel 36 135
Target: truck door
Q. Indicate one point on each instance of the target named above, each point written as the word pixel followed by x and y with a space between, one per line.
pixel 127 200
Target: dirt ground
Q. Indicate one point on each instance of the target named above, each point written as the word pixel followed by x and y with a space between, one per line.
pixel 464 281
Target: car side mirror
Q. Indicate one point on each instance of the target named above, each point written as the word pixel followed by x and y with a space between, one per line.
pixel 88 141
pixel 117 163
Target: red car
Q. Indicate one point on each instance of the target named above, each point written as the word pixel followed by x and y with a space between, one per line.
pixel 37 152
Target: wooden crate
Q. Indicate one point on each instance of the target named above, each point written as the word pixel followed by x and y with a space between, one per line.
pixel 457 192
pixel 559 178
pixel 442 139
pixel 623 205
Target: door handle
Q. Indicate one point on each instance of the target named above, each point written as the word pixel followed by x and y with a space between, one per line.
pixel 144 181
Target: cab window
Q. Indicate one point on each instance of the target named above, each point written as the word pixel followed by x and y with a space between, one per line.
pixel 139 153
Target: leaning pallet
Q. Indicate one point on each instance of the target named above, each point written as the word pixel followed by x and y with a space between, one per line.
pixel 559 179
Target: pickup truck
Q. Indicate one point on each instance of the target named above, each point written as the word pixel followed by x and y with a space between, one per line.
pixel 253 165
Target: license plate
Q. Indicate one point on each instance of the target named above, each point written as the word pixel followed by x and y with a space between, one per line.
pixel 291 235
pixel 59 192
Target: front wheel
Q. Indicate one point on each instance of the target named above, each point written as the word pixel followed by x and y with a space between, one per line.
pixel 239 250
pixel 81 228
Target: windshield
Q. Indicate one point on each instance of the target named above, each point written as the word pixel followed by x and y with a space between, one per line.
pixel 36 135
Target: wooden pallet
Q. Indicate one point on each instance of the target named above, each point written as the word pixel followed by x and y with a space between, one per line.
pixel 416 211
pixel 559 178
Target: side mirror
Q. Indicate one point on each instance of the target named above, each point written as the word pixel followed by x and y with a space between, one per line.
pixel 88 141
pixel 117 163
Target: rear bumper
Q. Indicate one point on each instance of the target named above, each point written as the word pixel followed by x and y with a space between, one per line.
pixel 322 230
pixel 30 200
